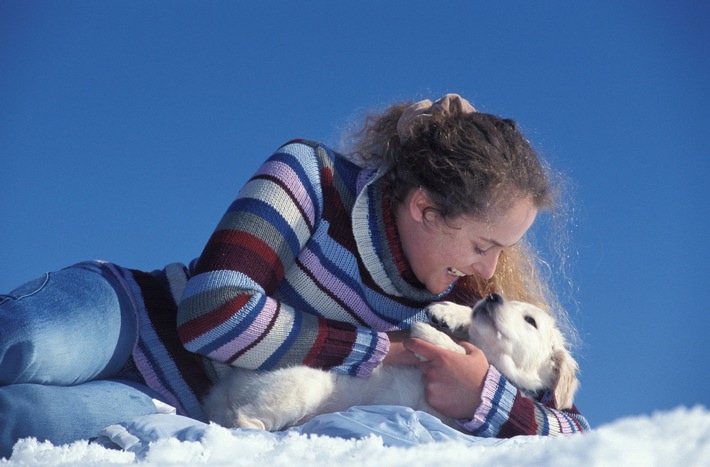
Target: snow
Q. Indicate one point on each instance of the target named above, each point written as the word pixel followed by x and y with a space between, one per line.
pixel 677 437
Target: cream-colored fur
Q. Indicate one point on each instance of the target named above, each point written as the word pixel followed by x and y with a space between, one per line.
pixel 520 340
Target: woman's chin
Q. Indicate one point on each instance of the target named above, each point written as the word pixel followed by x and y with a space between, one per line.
pixel 440 288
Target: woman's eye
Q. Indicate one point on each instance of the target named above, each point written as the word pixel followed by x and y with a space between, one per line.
pixel 479 251
pixel 531 321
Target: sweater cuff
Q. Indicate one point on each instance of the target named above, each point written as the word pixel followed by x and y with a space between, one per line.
pixel 497 398
pixel 367 353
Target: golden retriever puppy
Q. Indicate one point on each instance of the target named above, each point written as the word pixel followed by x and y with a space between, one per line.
pixel 519 339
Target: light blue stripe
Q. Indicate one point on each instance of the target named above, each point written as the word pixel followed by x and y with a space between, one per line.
pixel 209 283
pixel 160 360
pixel 497 410
pixel 213 280
pixel 366 340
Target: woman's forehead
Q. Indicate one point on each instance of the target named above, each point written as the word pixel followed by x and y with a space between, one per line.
pixel 502 229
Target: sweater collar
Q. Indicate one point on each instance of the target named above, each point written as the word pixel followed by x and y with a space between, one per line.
pixel 378 241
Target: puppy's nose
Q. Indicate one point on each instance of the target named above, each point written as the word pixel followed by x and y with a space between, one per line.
pixel 494 298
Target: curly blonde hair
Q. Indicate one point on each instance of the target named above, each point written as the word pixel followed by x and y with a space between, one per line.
pixel 469 163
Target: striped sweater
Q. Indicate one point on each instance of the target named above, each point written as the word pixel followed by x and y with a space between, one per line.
pixel 305 268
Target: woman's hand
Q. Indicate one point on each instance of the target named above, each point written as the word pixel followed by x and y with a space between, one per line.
pixel 452 382
pixel 398 355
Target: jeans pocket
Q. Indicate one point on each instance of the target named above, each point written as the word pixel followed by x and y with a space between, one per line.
pixel 27 289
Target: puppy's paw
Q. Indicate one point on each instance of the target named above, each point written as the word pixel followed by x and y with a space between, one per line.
pixel 433 336
pixel 245 421
pixel 449 317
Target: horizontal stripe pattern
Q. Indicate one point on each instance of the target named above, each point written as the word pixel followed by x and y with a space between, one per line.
pixel 505 412
pixel 299 270
pixel 287 244
pixel 164 364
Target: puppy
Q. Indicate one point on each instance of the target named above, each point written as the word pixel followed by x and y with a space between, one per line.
pixel 519 339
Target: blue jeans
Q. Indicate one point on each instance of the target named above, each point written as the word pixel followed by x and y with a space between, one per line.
pixel 66 340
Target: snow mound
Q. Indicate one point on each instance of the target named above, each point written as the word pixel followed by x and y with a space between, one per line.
pixel 677 437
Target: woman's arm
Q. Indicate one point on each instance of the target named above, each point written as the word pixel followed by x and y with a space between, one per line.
pixel 504 412
pixel 228 312
pixel 467 388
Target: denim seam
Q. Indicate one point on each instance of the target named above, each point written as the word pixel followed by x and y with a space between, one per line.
pixel 4 298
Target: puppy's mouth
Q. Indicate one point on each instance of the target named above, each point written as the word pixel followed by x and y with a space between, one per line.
pixel 486 308
pixel 455 272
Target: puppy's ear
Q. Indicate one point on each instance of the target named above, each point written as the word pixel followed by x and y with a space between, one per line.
pixel 567 382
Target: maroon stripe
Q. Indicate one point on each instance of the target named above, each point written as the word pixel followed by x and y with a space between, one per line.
pixel 521 420
pixel 341 230
pixel 336 346
pixel 236 250
pixel 340 224
pixel 312 359
pixel 162 312
pixel 207 322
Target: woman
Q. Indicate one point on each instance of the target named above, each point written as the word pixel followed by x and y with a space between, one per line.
pixel 322 260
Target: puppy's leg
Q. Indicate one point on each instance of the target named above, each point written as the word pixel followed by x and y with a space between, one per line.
pixel 425 332
pixel 450 317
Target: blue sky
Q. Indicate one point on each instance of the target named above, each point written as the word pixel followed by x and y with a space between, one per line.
pixel 126 129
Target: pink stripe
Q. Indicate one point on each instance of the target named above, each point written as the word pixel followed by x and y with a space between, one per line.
pixel 338 288
pixel 139 358
pixel 490 386
pixel 254 332
pixel 381 349
pixel 153 381
pixel 565 424
pixel 294 183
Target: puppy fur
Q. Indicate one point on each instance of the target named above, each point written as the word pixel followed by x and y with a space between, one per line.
pixel 519 339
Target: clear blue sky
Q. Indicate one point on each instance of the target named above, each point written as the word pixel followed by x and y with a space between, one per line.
pixel 126 129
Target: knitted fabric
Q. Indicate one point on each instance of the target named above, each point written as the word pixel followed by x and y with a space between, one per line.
pixel 304 268
pixel 504 412
pixel 159 356
pixel 300 271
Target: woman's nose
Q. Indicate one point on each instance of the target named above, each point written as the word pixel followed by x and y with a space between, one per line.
pixel 486 267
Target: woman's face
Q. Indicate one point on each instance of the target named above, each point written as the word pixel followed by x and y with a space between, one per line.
pixel 440 252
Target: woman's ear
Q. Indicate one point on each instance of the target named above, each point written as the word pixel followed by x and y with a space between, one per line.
pixel 418 204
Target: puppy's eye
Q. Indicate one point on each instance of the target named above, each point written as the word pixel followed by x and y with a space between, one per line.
pixel 531 321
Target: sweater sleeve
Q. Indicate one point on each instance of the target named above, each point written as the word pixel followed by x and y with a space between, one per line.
pixel 229 312
pixel 505 412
